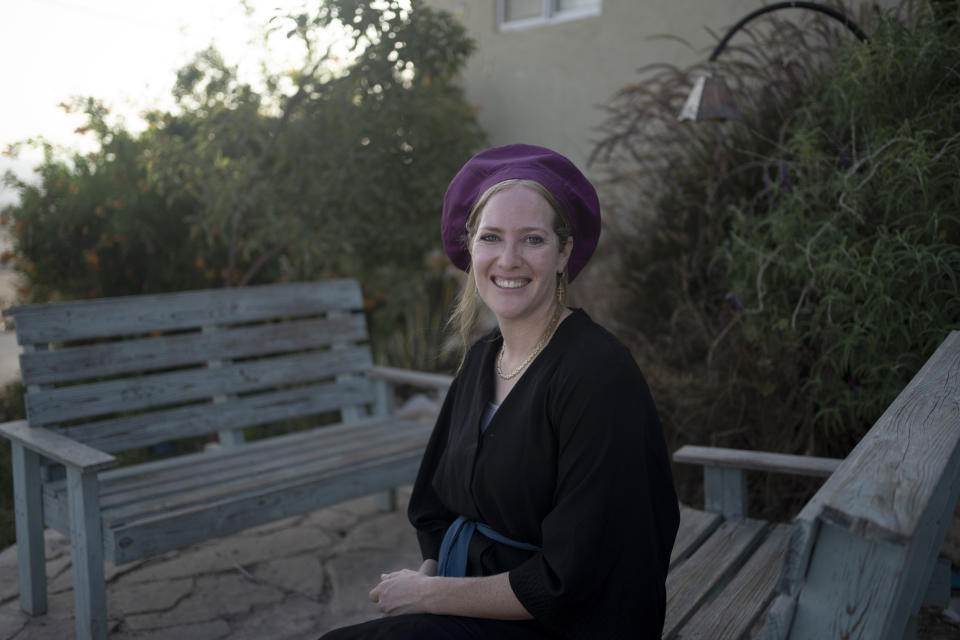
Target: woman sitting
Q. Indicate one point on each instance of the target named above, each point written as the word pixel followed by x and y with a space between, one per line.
pixel 544 505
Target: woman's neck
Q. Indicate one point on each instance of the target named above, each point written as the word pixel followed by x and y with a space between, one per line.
pixel 520 338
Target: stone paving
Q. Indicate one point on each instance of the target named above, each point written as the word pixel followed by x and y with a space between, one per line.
pixel 294 578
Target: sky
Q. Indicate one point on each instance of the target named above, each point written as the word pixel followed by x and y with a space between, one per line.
pixel 124 52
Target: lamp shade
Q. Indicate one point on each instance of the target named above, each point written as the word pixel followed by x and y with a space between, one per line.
pixel 710 99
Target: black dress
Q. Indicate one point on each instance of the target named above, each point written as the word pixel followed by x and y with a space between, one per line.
pixel 574 461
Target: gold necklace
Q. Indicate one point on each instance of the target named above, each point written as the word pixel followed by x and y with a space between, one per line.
pixel 536 350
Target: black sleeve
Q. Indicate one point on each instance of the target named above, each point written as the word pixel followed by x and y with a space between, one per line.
pixel 425 511
pixel 607 539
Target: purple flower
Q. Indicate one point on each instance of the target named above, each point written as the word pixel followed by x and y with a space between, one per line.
pixel 734 302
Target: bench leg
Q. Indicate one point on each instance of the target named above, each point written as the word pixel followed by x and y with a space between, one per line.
pixel 725 491
pixel 86 542
pixel 386 500
pixel 28 507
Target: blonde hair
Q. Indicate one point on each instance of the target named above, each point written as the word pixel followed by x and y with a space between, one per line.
pixel 464 316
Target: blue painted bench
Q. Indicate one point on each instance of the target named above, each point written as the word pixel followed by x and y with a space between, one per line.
pixel 860 558
pixel 119 374
pixel 857 562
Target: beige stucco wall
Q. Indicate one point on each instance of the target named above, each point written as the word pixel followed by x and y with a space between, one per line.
pixel 543 84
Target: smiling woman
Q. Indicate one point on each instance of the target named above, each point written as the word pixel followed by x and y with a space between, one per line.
pixel 544 505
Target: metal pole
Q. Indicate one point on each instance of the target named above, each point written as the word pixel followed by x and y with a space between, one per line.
pixel 813 6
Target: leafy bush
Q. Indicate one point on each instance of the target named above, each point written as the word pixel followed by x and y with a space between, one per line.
pixel 95 228
pixel 781 279
pixel 333 170
pixel 11 408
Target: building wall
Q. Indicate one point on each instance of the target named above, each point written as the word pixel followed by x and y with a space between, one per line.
pixel 543 84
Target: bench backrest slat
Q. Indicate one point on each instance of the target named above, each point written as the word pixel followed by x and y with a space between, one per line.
pixel 178 387
pixel 121 373
pixel 119 434
pixel 115 358
pixel 129 315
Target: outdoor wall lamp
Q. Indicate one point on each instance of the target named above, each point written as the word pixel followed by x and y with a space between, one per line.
pixel 710 98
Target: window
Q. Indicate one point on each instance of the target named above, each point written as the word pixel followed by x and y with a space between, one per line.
pixel 517 14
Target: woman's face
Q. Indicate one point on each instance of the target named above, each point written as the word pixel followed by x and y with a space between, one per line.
pixel 516 255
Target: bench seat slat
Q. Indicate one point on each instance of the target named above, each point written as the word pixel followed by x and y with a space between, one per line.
pixel 214 460
pixel 747 594
pixel 131 394
pixel 357 444
pixel 152 486
pixel 175 530
pixel 150 428
pixel 695 527
pixel 165 352
pixel 709 566
pixel 136 315
pixel 198 496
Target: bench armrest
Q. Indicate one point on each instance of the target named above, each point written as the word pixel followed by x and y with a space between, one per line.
pixel 756 460
pixel 438 381
pixel 57 447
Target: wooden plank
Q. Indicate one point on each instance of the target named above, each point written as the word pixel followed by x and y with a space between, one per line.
pixel 848 577
pixel 131 394
pixel 230 437
pixel 756 460
pixel 695 527
pixel 165 352
pixel 223 469
pixel 264 447
pixel 28 510
pixel 725 491
pixel 200 492
pixel 345 437
pixel 438 381
pixel 690 583
pixel 176 530
pixel 885 485
pixel 118 434
pixel 160 471
pixel 136 315
pixel 922 551
pixel 384 405
pixel 86 548
pixel 741 602
pixel 56 446
pixel 937 593
pixel 778 620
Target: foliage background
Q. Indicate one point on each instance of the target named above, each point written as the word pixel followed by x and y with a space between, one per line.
pixel 780 279
pixel 334 169
pixel 783 278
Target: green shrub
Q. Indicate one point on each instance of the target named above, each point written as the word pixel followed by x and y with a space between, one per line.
pixel 11 408
pixel 782 278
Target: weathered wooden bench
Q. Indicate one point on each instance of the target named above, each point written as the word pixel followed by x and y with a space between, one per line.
pixel 112 375
pixel 861 557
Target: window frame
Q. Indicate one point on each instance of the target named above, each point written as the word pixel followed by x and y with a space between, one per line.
pixel 548 14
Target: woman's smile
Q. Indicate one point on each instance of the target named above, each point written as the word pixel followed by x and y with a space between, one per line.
pixel 505 283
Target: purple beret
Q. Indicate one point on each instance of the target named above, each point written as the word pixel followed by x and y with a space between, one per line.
pixel 576 196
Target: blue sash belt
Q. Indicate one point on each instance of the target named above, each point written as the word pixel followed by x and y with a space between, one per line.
pixel 456 541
